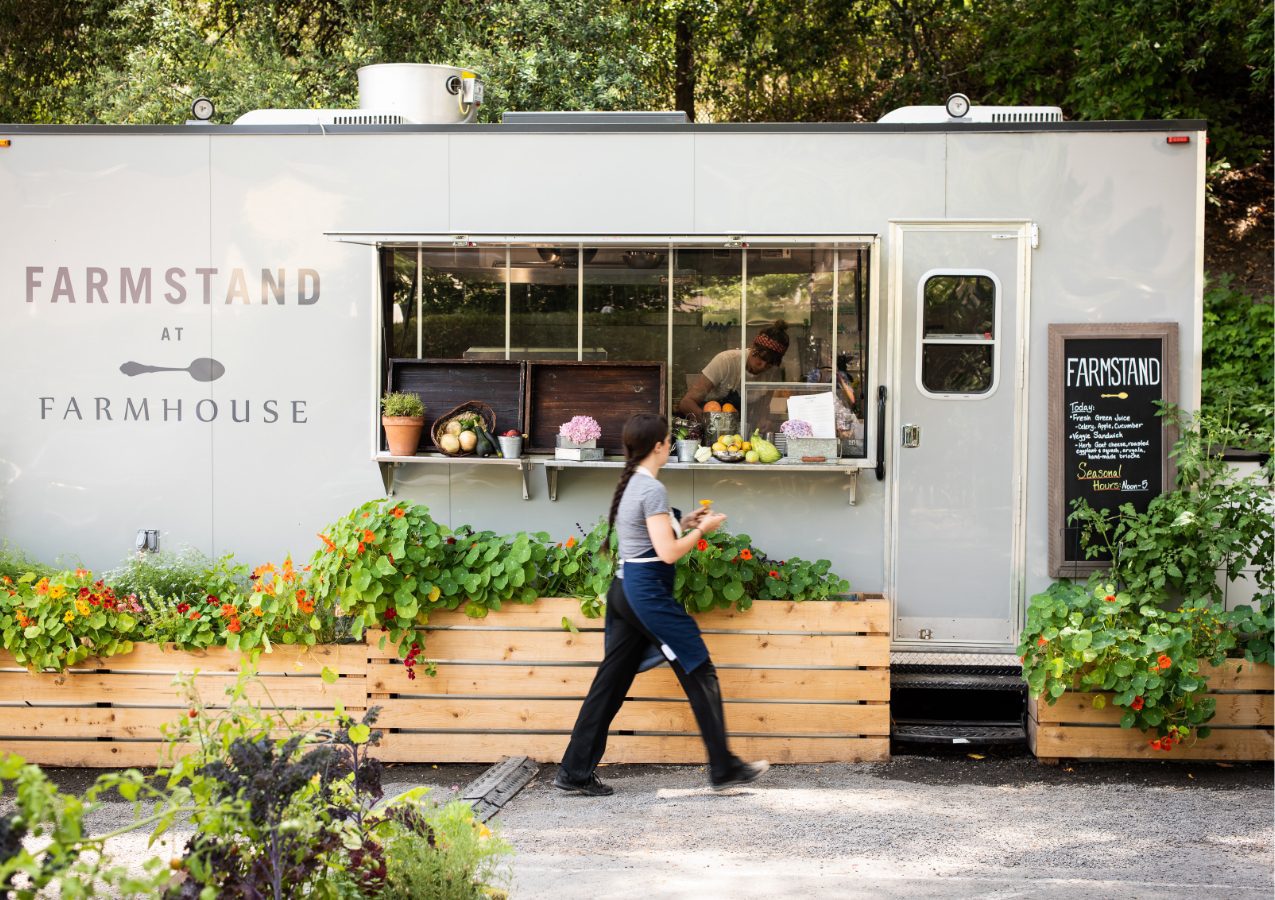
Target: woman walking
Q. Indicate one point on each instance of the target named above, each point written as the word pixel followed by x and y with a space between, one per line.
pixel 641 611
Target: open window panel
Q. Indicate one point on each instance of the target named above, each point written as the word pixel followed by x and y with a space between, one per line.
pixel 696 304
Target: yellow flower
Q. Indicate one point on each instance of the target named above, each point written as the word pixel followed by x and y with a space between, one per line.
pixel 57 592
pixel 483 831
pixel 82 607
pixel 258 611
pixel 68 616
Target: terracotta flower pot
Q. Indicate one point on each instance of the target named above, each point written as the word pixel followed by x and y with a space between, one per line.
pixel 403 433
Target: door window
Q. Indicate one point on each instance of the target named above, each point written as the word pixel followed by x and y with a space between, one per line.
pixel 960 316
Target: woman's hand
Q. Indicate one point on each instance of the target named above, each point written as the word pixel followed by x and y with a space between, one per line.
pixel 711 521
pixel 693 519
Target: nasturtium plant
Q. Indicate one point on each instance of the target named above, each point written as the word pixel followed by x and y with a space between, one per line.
pixel 52 622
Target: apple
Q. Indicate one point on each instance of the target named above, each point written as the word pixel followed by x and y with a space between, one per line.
pixel 510 433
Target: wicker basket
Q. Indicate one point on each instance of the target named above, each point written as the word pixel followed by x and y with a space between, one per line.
pixel 469 406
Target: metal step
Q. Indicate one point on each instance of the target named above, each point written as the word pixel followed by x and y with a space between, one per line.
pixel 490 791
pixel 957 681
pixel 958 733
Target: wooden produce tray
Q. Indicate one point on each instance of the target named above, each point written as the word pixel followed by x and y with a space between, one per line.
pixel 444 384
pixel 1072 728
pixel 610 392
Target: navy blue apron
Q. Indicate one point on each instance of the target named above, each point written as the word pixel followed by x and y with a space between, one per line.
pixel 648 586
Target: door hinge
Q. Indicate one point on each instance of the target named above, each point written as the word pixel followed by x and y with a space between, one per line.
pixel 1033 232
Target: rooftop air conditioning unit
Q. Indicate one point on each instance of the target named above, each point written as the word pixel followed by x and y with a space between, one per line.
pixel 958 109
pixel 393 94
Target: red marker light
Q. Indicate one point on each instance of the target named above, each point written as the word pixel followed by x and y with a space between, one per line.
pixel 1178 139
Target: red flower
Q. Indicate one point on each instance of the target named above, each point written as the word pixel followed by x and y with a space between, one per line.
pixel 1040 641
pixel 1137 704
pixel 183 608
pixel 1164 662
pixel 361 547
pixel 1156 744
pixel 774 574
pixel 398 512
pixel 452 540
pixel 1110 598
pixel 193 713
pixel 391 613
pixel 701 545
pixel 212 600
pixel 745 554
pixel 234 626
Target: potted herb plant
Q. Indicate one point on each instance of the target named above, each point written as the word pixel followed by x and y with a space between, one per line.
pixel 403 418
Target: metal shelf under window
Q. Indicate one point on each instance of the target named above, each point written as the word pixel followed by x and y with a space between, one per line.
pixel 390 465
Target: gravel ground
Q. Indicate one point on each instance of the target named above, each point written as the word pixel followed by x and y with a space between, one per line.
pixel 918 826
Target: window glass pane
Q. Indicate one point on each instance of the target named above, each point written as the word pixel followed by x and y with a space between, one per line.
pixel 707 307
pixel 543 302
pixel 626 304
pixel 462 302
pixel 789 301
pixel 960 306
pixel 956 368
pixel 398 276
pixel 852 353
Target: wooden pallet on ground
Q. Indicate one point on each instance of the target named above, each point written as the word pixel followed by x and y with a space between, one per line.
pixel 1072 728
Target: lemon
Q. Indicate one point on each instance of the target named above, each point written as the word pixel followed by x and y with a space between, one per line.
pixel 751 456
pixel 746 446
pixel 719 447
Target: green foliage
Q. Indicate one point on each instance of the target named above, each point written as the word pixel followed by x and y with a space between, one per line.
pixel 725 571
pixel 182 574
pixel 1213 520
pixel 1098 638
pixel 15 563
pixel 58 858
pixel 415 833
pixel 400 404
pixel 53 622
pixel 1238 356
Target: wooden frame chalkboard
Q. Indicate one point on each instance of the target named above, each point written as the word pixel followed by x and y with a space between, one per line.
pixel 1106 442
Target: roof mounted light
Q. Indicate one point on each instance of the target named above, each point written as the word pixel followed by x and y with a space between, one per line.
pixel 958 105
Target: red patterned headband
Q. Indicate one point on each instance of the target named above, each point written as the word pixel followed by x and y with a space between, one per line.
pixel 769 343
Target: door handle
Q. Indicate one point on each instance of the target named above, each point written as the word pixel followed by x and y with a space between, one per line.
pixel 881 433
pixel 911 436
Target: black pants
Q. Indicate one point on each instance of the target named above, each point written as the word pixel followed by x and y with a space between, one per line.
pixel 626 642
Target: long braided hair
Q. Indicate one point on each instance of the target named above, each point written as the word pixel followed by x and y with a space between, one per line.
pixel 641 433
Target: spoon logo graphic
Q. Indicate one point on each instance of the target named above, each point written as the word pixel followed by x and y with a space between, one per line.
pixel 202 369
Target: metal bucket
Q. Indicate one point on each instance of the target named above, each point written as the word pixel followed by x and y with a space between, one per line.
pixel 422 94
pixel 719 423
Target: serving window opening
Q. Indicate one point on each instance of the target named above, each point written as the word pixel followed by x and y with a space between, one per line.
pixel 711 312
pixel 960 316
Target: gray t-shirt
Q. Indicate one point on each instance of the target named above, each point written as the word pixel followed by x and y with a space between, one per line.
pixel 643 497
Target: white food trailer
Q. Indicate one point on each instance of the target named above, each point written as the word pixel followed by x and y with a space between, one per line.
pixel 273 267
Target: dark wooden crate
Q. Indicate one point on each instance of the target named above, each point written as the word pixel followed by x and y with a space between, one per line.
pixel 610 392
pixel 444 384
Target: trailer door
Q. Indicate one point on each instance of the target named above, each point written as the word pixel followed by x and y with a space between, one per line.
pixel 959 315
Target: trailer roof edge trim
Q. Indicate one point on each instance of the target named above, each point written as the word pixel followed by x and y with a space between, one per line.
pixel 624 128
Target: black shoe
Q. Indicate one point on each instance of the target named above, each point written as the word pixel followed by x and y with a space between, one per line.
pixel 591 788
pixel 746 773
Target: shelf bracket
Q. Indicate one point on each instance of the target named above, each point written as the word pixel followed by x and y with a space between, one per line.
pixel 551 476
pixel 853 473
pixel 387 477
pixel 524 469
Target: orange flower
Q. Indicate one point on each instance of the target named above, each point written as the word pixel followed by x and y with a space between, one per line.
pixel 258 611
pixel 369 537
pixel 745 554
pixel 774 574
pixel 6 579
pixel 1156 745
pixel 361 547
pixel 42 586
pixel 571 542
pixel 398 512
pixel 82 573
pixel 1110 598
pixel 234 627
pixel 1164 662
pixel 1137 704
pixel 1040 641
pixel 300 593
pixel 701 545
pixel 195 616
pixel 706 503
pixel 327 542
pixel 365 515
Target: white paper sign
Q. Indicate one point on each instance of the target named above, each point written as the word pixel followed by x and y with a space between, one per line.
pixel 817 409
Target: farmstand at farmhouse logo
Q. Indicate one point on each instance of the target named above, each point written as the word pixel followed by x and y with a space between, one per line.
pixel 174 286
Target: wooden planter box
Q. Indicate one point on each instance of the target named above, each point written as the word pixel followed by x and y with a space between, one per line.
pixel 1242 728
pixel 802 682
pixel 108 712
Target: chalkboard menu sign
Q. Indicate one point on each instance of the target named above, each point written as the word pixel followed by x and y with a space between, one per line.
pixel 1106 443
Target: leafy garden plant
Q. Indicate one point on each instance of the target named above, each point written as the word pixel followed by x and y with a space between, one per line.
pixel 1138 630
pixel 402 404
